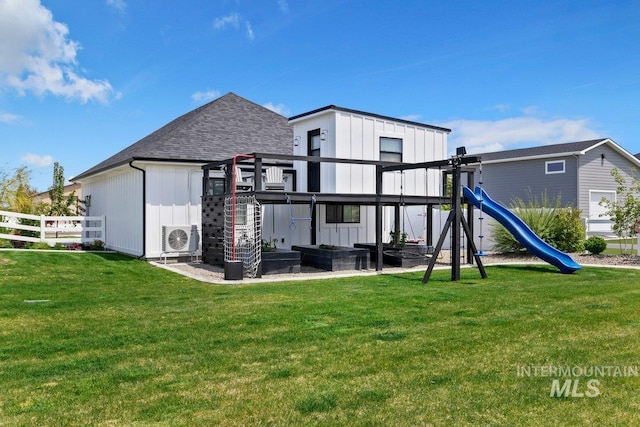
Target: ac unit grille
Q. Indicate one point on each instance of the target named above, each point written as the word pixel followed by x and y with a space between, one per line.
pixel 177 238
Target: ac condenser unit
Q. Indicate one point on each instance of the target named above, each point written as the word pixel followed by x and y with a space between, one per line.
pixel 179 238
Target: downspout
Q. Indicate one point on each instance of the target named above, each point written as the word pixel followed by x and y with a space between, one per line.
pixel 144 208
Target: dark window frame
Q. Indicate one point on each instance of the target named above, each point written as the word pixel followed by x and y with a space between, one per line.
pixel 388 155
pixel 335 214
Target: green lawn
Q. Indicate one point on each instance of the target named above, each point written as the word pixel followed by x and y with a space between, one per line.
pixel 117 341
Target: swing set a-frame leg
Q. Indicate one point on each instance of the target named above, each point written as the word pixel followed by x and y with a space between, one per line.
pixel 438 248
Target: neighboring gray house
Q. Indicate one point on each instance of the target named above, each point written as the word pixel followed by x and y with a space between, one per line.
pixel 157 181
pixel 578 172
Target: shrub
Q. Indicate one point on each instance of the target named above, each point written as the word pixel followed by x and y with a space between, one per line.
pixel 96 245
pixel 568 231
pixel 560 227
pixel 40 245
pixel 595 245
pixel 74 247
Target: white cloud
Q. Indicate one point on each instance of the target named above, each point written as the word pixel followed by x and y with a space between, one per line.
pixel 8 118
pixel 118 5
pixel 486 136
pixel 232 20
pixel 249 31
pixel 283 5
pixel 205 96
pixel 37 56
pixel 37 160
pixel 278 108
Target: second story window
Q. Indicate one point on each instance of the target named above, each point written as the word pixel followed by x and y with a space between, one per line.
pixel 390 149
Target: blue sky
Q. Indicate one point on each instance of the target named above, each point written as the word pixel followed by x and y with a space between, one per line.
pixel 83 79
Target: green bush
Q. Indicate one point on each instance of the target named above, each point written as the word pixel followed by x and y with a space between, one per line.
pixel 40 245
pixel 5 244
pixel 96 245
pixel 560 227
pixel 567 231
pixel 595 245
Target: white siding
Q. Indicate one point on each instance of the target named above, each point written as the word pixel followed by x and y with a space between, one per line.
pixel 357 136
pixel 173 198
pixel 118 196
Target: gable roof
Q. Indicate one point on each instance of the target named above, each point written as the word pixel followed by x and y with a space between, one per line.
pixel 555 150
pixel 218 130
pixel 363 113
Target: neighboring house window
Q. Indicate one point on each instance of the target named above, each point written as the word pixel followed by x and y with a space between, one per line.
pixel 390 149
pixel 555 166
pixel 340 214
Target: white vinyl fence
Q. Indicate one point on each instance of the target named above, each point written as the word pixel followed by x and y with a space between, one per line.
pixel 52 229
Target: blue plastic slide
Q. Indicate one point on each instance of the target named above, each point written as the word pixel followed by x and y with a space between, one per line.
pixel 521 231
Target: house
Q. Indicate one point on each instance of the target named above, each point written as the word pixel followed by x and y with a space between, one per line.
pixel 577 172
pixel 338 132
pixel 75 188
pixel 157 181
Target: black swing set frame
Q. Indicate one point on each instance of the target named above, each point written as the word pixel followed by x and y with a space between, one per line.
pixel 455 220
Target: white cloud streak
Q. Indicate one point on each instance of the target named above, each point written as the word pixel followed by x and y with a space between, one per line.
pixel 278 108
pixel 232 20
pixel 119 5
pixel 249 31
pixel 37 160
pixel 37 56
pixel 205 96
pixel 486 136
pixel 8 118
pixel 283 5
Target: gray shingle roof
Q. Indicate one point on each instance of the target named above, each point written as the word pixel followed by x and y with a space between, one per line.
pixel 543 150
pixel 218 130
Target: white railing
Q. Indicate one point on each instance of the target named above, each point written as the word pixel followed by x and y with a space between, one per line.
pixel 52 229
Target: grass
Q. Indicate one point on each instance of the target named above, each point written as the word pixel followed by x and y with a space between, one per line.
pixel 98 339
pixel 621 250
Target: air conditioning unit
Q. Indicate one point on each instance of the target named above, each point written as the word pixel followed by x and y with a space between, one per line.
pixel 179 238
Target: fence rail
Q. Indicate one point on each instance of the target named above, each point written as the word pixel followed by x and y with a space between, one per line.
pixel 51 229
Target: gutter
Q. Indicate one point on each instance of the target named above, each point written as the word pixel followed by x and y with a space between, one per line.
pixel 144 208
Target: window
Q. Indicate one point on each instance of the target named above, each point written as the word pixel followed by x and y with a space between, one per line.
pixel 390 149
pixel 555 166
pixel 341 214
pixel 215 187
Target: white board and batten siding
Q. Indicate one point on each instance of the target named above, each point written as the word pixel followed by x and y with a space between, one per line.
pixel 173 197
pixel 118 196
pixel 174 194
pixel 357 136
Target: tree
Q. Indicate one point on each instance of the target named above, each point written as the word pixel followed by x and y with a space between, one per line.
pixel 61 205
pixel 625 210
pixel 16 193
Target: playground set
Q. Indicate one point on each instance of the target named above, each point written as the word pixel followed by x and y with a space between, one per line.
pixel 222 209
